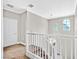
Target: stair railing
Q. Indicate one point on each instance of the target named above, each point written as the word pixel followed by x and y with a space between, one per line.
pixel 38 45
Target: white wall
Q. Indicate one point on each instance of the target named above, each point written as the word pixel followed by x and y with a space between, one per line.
pixel 22 27
pixel 12 15
pixel 36 23
pixel 21 19
pixel 28 22
pixel 9 31
pixel 9 14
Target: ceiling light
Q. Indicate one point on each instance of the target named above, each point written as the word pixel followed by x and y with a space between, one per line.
pixel 30 5
pixel 9 5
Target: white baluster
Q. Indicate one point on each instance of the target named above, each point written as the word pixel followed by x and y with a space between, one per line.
pixel 27 46
pixel 36 43
pixel 40 45
pixel 32 42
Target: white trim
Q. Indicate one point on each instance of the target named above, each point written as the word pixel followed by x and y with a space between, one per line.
pixel 21 43
pixel 32 56
pixel 16 43
pixel 62 35
pixel 9 45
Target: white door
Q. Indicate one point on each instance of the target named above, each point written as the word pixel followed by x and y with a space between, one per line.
pixel 9 31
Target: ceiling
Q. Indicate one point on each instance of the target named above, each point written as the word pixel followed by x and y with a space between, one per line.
pixel 45 8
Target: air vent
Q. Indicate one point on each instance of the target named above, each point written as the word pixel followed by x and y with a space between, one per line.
pixel 30 5
pixel 9 5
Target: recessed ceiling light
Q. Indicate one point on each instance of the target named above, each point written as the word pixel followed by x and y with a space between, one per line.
pixel 30 5
pixel 9 5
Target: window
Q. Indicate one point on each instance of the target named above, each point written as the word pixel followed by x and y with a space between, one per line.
pixel 66 24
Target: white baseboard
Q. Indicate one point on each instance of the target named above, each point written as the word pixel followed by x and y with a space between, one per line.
pixel 21 43
pixel 9 45
pixel 14 44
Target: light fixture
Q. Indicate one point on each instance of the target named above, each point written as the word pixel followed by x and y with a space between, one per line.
pixel 9 5
pixel 30 5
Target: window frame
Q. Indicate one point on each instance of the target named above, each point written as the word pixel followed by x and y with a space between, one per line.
pixel 66 24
